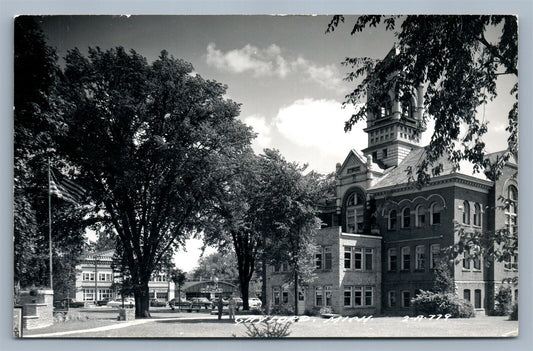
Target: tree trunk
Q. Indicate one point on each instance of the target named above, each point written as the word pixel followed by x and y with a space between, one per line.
pixel 245 288
pixel 264 298
pixel 142 301
pixel 295 293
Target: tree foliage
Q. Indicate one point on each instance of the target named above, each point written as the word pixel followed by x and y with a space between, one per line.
pixel 36 123
pixel 150 142
pixel 221 265
pixel 458 60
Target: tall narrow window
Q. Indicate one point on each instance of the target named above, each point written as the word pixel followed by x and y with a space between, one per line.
pixel 358 296
pixel 434 256
pixel 406 258
pixel 328 295
pixel 318 259
pixel 276 295
pixel 358 258
pixel 406 217
pixel 420 216
pixel 466 212
pixel 436 210
pixel 393 260
pixel 347 257
pixel 355 213
pixel 285 297
pixel 420 258
pixel 347 296
pixel 477 215
pixel 477 298
pixel 466 258
pixel 369 254
pixel 511 209
pixel 466 295
pixel 392 220
pixel 406 299
pixel 369 296
pixel 318 296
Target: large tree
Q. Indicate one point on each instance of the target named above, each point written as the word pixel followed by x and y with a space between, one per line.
pixel 150 142
pixel 458 59
pixel 36 122
pixel 221 265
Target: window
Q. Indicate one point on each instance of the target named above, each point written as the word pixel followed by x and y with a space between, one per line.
pixel 375 154
pixel 466 258
pixel 107 277
pixel 328 295
pixel 434 255
pixel 318 296
pixel 277 268
pixel 355 213
pixel 369 296
pixel 406 299
pixel 369 254
pixel 406 217
pixel 327 258
pixel 511 209
pixel 516 295
pixel 285 297
pixel 88 294
pixel 436 210
pixel 347 296
pixel 392 298
pixel 105 294
pixel 347 257
pixel 318 259
pixel 284 267
pixel 358 296
pixel 358 258
pixel 88 276
pixel 420 218
pixel 276 296
pixel 512 263
pixel 393 260
pixel 420 258
pixel 477 215
pixel 384 151
pixel 466 295
pixel 477 298
pixel 477 263
pixel 406 258
pixel 466 212
pixel 392 220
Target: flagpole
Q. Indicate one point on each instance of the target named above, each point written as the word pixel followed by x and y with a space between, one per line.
pixel 50 226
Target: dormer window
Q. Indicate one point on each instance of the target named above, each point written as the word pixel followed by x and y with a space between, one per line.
pixel 355 213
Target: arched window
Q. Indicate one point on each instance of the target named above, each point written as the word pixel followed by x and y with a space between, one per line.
pixel 392 220
pixel 511 213
pixel 355 213
pixel 406 217
pixel 436 210
pixel 407 110
pixel 477 215
pixel 466 212
pixel 420 218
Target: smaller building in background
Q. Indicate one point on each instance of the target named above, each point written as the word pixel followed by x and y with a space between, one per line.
pixel 95 280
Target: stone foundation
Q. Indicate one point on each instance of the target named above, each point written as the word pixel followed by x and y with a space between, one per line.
pixel 38 309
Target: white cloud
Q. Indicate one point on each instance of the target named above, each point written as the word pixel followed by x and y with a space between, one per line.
pixel 249 59
pixel 262 128
pixel 270 62
pixel 316 127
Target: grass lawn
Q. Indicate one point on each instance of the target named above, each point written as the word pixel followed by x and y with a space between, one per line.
pixel 165 324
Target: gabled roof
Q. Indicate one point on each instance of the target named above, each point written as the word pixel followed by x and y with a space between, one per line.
pixel 400 174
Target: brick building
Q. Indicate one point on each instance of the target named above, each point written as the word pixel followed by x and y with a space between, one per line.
pixel 382 236
pixel 95 278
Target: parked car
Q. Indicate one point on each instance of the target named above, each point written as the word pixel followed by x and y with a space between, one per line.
pixel 254 302
pixel 101 302
pixel 157 303
pixel 238 303
pixel 68 303
pixel 181 304
pixel 128 302
pixel 202 302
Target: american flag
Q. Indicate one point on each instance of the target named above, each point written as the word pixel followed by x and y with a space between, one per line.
pixel 65 188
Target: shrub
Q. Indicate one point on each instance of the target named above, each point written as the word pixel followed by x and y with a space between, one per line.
pixel 503 301
pixel 430 303
pixel 283 310
pixel 312 312
pixel 268 328
pixel 514 313
pixel 326 310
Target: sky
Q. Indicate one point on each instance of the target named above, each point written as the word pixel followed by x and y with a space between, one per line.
pixel 284 70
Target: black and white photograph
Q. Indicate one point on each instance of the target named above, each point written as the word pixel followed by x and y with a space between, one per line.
pixel 266 176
